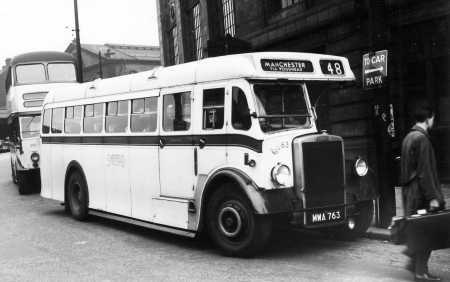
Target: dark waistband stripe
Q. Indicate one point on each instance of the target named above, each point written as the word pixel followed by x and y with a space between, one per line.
pixel 236 140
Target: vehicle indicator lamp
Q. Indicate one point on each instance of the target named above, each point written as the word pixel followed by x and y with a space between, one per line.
pixel 351 224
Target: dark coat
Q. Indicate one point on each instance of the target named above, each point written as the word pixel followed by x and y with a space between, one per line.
pixel 420 186
pixel 419 171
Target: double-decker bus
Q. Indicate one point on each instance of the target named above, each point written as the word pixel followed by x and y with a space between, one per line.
pixel 29 78
pixel 226 145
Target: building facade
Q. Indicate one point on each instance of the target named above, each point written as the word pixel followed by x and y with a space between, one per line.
pixel 109 60
pixel 372 122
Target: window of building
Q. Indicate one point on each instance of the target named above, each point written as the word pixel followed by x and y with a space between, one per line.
pixel 93 121
pixel 144 114
pixel 57 120
pixel 72 121
pixel 287 3
pixel 47 121
pixel 177 112
pixel 228 17
pixel 213 108
pixel 240 115
pixel 197 31
pixel 116 119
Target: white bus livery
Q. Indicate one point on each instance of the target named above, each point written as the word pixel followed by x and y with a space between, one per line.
pixel 226 145
pixel 30 77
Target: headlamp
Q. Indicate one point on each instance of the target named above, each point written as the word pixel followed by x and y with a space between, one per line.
pixel 281 174
pixel 361 167
pixel 35 157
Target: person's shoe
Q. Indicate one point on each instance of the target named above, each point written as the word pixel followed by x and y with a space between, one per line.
pixel 426 277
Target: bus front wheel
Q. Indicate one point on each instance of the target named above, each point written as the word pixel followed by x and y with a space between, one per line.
pixel 233 225
pixel 25 184
pixel 78 196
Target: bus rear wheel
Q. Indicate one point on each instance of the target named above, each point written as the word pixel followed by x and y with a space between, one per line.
pixel 233 226
pixel 78 196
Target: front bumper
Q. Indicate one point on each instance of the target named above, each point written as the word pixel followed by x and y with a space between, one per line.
pixel 285 202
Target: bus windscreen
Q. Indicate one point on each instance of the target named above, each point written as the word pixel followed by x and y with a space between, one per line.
pixel 32 73
pixel 61 72
pixel 281 106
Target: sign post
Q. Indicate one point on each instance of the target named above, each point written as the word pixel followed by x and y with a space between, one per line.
pixel 374 69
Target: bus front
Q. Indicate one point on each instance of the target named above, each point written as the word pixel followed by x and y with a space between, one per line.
pixel 29 80
pixel 328 190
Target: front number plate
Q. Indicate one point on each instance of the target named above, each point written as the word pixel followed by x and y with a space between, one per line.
pixel 325 216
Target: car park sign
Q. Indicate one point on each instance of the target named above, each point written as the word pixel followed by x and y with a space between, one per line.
pixel 374 69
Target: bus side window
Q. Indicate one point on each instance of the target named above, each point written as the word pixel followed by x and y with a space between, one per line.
pixel 57 120
pixel 116 116
pixel 72 121
pixel 144 114
pixel 213 108
pixel 93 117
pixel 177 111
pixel 240 115
pixel 47 121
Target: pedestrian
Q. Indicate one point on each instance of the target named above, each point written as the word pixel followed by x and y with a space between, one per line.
pixel 421 188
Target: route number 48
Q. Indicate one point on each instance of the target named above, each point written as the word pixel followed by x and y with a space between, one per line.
pixel 332 67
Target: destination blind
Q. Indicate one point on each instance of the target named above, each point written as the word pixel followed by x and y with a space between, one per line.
pixel 286 65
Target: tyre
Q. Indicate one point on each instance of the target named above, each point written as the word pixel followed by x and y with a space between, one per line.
pixel 233 226
pixel 25 184
pixel 78 196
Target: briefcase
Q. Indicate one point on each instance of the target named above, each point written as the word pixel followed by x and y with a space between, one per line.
pixel 429 231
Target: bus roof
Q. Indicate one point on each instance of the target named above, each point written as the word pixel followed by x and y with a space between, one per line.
pixel 41 56
pixel 262 65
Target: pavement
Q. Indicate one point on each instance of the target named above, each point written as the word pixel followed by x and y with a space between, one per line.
pixel 40 242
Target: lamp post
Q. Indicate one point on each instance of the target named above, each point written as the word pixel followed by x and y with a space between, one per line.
pixel 77 43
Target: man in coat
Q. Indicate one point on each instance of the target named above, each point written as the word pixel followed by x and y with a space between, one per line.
pixel 421 187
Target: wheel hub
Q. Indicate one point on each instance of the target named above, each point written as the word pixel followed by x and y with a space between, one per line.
pixel 230 221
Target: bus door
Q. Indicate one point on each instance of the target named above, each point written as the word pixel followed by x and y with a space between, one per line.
pixel 210 128
pixel 176 151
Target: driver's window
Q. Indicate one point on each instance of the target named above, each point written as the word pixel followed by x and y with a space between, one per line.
pixel 240 114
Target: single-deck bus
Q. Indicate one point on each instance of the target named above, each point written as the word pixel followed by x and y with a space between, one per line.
pixel 30 77
pixel 224 145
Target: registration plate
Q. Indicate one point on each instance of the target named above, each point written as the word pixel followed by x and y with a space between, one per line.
pixel 324 216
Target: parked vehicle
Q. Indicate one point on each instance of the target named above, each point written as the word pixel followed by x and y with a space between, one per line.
pixel 4 146
pixel 30 77
pixel 226 145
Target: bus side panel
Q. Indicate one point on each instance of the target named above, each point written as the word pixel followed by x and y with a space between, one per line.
pixel 144 179
pixel 118 192
pixel 46 171
pixel 58 171
pixel 171 212
pixel 93 167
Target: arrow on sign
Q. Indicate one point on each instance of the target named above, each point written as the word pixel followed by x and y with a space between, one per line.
pixel 380 69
